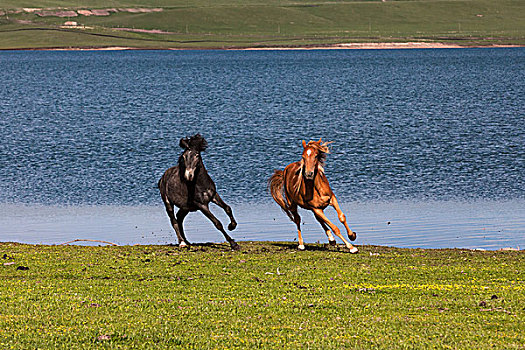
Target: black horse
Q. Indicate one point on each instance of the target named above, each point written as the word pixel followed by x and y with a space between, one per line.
pixel 189 187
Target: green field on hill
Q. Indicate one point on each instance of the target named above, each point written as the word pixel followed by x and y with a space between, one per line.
pixel 256 23
pixel 269 295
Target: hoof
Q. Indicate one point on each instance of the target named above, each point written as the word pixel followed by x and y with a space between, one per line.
pixel 352 236
pixel 332 243
pixel 184 245
pixel 354 250
pixel 235 246
pixel 301 247
pixel 232 226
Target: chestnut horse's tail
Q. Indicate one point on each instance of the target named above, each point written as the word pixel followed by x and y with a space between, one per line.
pixel 276 187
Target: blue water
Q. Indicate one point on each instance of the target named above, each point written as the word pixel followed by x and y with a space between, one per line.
pixel 436 132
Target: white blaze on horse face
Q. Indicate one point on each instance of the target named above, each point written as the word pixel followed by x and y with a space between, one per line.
pixel 190 163
pixel 308 152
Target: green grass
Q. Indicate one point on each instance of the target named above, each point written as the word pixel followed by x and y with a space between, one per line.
pixel 269 295
pixel 235 23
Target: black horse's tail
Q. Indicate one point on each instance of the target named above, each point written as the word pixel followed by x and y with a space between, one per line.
pixel 276 188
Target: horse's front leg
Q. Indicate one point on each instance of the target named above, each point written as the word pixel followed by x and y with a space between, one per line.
pixel 218 200
pixel 320 215
pixel 206 211
pixel 333 202
pixel 174 223
pixel 326 229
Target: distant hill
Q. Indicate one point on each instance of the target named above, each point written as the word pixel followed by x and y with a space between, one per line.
pixel 257 23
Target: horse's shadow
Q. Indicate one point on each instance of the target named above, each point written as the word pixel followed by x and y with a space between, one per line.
pixel 310 247
pixel 268 247
pixel 208 246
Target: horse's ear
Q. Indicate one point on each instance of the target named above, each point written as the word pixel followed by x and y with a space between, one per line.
pixel 320 140
pixel 184 143
pixel 304 144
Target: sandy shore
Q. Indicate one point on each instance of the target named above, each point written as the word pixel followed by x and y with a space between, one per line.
pixel 368 46
pixel 345 46
pixel 109 48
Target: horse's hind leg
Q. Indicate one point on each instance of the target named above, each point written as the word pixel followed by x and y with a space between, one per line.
pixel 174 223
pixel 181 214
pixel 297 220
pixel 326 229
pixel 218 200
pixel 320 215
pixel 333 202
pixel 206 211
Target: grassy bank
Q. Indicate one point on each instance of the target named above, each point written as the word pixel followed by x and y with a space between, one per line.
pixel 256 23
pixel 269 295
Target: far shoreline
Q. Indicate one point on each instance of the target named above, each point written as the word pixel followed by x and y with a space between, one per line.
pixel 343 46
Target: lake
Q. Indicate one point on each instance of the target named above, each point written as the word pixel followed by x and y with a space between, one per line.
pixel 428 145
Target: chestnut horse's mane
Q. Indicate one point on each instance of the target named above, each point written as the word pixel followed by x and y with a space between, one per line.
pixel 322 147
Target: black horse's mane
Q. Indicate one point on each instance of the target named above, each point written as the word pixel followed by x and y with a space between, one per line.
pixel 195 142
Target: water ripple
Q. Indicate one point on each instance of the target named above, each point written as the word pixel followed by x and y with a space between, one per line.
pixel 99 128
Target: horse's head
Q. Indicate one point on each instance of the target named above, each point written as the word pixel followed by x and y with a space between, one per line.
pixel 191 160
pixel 314 156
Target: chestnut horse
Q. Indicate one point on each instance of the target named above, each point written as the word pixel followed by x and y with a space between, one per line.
pixel 304 184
